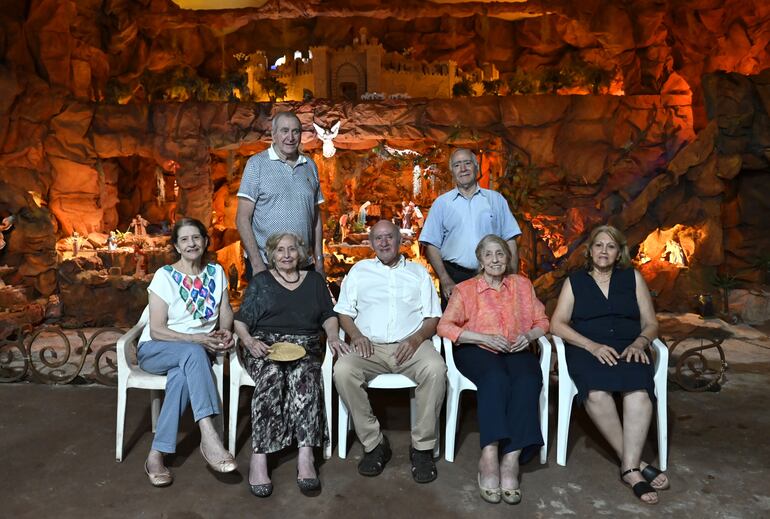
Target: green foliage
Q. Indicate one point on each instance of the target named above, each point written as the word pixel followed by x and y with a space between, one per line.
pixel 492 88
pixel 574 72
pixel 725 281
pixel 274 88
pixel 519 185
pixel 463 88
pixel 224 90
pixel 522 82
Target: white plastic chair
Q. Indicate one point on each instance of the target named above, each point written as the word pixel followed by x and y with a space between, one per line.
pixel 131 375
pixel 240 377
pixel 457 383
pixel 568 390
pixel 384 381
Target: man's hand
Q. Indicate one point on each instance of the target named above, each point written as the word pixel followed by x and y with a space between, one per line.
pixel 338 347
pixel 447 286
pixel 362 345
pixel 405 350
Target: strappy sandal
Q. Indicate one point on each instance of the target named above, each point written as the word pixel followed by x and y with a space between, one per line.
pixel 650 472
pixel 640 488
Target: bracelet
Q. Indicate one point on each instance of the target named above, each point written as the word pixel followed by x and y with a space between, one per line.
pixel 646 339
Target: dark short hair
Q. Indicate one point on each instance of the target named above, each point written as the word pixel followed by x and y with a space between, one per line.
pixel 624 256
pixel 493 238
pixel 272 243
pixel 187 222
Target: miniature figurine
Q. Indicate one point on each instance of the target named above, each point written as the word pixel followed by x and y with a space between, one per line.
pixel 140 225
pixel 141 261
pixel 75 244
pixel 112 241
pixel 327 137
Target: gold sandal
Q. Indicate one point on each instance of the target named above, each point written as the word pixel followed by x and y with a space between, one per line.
pixel 490 495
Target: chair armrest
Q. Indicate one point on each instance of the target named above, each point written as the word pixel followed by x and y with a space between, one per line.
pixel 661 359
pixel 561 358
pixel 130 337
pixel 545 354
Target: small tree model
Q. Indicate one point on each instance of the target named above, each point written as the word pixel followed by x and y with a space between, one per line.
pixel 274 88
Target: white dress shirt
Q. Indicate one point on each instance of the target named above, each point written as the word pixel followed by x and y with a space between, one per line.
pixel 388 304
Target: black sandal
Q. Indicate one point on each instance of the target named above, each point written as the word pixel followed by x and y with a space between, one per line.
pixel 641 488
pixel 650 472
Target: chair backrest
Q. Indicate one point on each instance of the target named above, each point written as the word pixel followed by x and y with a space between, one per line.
pixel 126 340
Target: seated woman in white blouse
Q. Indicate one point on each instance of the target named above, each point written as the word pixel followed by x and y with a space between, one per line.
pixel 190 316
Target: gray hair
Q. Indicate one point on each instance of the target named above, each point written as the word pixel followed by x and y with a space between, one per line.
pixel 473 158
pixel 272 243
pixel 281 115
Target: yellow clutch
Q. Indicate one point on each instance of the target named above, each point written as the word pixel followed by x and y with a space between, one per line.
pixel 285 352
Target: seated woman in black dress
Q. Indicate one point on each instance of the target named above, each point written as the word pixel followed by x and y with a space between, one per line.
pixel 284 304
pixel 606 317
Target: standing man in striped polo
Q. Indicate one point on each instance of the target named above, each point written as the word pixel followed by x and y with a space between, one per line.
pixel 280 192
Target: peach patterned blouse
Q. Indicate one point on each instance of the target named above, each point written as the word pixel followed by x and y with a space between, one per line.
pixel 510 311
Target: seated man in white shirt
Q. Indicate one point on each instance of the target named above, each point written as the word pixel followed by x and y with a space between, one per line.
pixel 389 310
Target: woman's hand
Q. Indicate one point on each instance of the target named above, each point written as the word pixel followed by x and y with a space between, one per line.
pixel 338 347
pixel 256 347
pixel 224 339
pixel 605 354
pixel 496 342
pixel 635 354
pixel 521 342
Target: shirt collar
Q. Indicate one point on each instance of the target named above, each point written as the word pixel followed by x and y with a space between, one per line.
pixel 456 192
pixel 271 153
pixel 400 263
pixel 482 285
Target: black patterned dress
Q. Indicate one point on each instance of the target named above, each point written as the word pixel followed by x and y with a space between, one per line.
pixel 288 398
pixel 614 321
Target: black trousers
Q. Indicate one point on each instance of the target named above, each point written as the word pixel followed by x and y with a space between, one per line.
pixel 458 274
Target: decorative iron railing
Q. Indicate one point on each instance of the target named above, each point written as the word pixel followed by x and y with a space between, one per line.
pixel 47 355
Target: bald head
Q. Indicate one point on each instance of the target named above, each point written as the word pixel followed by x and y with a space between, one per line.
pixel 385 239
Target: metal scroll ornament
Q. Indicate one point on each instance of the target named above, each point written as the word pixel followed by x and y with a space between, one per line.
pixel 47 356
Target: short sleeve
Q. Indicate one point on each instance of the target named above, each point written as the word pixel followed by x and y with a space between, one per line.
pixel 431 232
pixel 251 309
pixel 319 199
pixel 325 305
pixel 509 227
pixel 454 318
pixel 249 187
pixel 431 306
pixel 347 301
pixel 163 286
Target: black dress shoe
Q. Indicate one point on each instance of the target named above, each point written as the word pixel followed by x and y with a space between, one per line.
pixel 263 490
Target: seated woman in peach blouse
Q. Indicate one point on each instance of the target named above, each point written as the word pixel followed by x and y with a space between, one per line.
pixel 491 319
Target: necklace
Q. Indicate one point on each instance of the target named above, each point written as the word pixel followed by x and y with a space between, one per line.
pixel 602 278
pixel 299 276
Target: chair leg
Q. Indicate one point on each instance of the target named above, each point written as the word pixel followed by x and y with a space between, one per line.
pixel 662 429
pixel 544 424
pixel 219 377
pixel 343 424
pixel 326 374
pixel 155 402
pixel 567 392
pixel 452 416
pixel 121 418
pixel 232 428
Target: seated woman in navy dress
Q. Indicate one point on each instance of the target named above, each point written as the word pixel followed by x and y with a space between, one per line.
pixel 605 316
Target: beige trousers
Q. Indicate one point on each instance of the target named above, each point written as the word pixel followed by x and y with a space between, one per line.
pixel 352 374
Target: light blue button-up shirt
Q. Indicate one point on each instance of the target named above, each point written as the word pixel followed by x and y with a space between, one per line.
pixel 456 224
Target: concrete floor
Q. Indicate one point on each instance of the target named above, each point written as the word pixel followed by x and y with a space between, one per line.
pixel 57 460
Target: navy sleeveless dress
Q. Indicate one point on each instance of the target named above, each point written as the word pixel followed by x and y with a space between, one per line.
pixel 613 321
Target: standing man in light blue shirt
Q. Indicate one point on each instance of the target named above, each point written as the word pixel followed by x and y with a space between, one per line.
pixel 459 219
